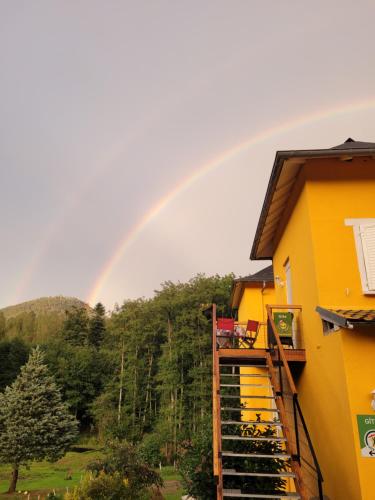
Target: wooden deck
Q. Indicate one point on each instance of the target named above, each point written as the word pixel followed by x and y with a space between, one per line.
pixel 292 355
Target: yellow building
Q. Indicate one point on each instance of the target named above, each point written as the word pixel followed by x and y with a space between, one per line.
pixel 250 295
pixel 317 225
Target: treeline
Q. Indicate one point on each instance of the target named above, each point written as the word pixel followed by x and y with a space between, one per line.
pixel 142 373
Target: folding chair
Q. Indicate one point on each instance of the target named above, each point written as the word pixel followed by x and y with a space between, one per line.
pixel 252 329
pixel 225 330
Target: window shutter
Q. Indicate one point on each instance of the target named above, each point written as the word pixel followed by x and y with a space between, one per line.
pixel 368 247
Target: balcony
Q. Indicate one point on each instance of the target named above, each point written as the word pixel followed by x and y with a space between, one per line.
pixel 282 331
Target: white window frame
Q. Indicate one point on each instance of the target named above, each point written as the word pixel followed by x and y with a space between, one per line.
pixel 357 225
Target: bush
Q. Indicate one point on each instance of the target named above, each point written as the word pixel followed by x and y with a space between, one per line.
pixel 123 460
pixel 102 487
pixel 150 449
pixel 196 465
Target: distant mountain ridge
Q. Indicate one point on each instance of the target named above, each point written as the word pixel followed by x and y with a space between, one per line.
pixel 42 305
pixel 37 320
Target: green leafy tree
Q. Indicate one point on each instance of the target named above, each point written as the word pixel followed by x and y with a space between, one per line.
pixel 81 372
pixel 34 422
pixel 96 329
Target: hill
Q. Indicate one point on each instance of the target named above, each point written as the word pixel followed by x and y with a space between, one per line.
pixel 42 305
pixel 37 320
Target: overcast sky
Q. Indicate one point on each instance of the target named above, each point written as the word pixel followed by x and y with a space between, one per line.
pixel 108 108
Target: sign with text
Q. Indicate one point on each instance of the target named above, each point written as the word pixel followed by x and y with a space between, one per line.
pixel 366 431
pixel 283 322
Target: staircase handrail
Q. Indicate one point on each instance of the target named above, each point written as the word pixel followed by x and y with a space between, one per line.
pixel 292 386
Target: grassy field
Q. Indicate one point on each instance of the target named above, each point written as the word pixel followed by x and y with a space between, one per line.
pixel 44 477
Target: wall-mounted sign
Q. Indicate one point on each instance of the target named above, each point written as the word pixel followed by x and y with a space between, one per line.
pixel 366 431
pixel 283 322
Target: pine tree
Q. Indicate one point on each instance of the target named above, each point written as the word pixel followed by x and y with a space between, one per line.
pixel 97 326
pixel 34 422
pixel 75 327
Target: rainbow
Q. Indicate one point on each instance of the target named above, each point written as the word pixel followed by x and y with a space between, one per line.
pixel 130 237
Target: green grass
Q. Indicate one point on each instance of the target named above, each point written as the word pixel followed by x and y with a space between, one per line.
pixel 43 477
pixel 169 473
pixel 47 476
pixel 173 491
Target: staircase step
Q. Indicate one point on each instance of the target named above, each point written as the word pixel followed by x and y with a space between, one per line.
pixel 252 422
pixel 274 495
pixel 241 375
pixel 273 410
pixel 247 397
pixel 254 455
pixel 242 396
pixel 245 385
pixel 231 437
pixel 260 375
pixel 237 365
pixel 233 472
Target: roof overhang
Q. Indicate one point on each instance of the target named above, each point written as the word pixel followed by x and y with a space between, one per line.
pixel 348 318
pixel 238 288
pixel 285 171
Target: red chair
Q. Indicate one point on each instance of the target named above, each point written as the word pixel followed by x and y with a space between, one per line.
pixel 252 331
pixel 225 331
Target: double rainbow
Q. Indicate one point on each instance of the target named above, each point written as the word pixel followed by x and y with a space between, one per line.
pixel 131 236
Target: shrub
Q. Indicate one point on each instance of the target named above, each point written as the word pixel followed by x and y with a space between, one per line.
pixel 101 487
pixel 196 466
pixel 150 449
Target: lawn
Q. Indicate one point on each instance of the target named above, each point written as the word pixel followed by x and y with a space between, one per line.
pixel 44 477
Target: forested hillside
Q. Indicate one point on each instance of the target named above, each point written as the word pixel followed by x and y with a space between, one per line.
pixel 141 373
pixel 37 320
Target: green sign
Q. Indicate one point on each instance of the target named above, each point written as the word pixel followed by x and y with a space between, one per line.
pixel 366 431
pixel 283 322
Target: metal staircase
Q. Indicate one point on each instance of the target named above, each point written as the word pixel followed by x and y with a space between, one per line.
pixel 240 452
pixel 255 454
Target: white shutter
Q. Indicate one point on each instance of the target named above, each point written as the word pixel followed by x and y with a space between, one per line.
pixel 367 233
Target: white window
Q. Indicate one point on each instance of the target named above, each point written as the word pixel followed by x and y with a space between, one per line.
pixel 364 233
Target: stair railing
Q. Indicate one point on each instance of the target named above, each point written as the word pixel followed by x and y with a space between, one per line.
pixel 216 410
pixel 288 391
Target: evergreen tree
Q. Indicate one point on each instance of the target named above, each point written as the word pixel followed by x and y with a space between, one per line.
pixel 97 326
pixel 75 328
pixel 13 354
pixel 34 422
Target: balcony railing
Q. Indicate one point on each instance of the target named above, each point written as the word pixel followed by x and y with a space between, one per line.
pixel 287 321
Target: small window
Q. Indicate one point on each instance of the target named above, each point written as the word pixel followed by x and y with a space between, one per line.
pixel 364 233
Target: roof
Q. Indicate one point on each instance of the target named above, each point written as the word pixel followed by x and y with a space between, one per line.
pixel 286 168
pixel 348 318
pixel 265 274
pixel 262 277
pixel 352 144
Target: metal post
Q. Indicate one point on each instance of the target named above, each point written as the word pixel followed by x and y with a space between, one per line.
pixel 296 428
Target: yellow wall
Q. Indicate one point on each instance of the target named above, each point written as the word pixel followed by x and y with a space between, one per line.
pixel 346 191
pixel 340 371
pixel 252 306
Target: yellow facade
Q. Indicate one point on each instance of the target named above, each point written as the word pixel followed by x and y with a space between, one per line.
pixel 339 374
pixel 253 306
